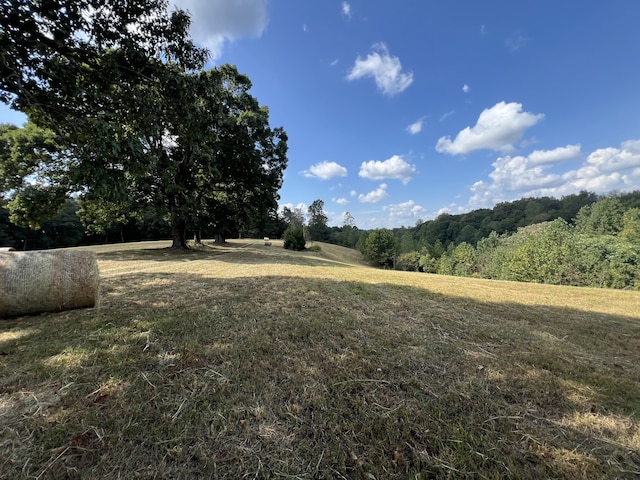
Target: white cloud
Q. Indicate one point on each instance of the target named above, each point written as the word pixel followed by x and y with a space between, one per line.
pixel 466 88
pixel 305 28
pixel 374 196
pixel 325 171
pixel 415 127
pixel 341 201
pixel 557 155
pixel 346 9
pixel 385 69
pixel 353 193
pixel 603 171
pixel 394 167
pixel 609 169
pixel 483 29
pixel 334 63
pixel 215 22
pixel 447 115
pixel 406 212
pixel 497 128
pixel 516 43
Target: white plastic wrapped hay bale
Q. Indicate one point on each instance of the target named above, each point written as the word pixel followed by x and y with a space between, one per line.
pixel 47 281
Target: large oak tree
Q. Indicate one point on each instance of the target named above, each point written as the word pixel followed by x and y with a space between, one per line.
pixel 123 84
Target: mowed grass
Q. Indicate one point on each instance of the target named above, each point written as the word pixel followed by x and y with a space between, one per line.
pixel 248 361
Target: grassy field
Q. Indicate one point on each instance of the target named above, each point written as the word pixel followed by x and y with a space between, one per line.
pixel 249 361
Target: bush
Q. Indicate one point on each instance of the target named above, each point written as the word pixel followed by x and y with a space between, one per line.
pixel 294 238
pixel 409 262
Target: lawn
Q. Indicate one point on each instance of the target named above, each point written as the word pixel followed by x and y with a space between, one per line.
pixel 250 361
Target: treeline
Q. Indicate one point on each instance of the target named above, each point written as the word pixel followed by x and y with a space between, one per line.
pixel 75 224
pixel 599 247
pixel 505 217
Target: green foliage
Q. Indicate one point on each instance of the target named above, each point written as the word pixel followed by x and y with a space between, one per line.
pixel 294 238
pixel 631 226
pixel 318 228
pixel 503 218
pixel 601 250
pixel 427 263
pixel 604 217
pixel 380 247
pixel 409 262
pixel 98 216
pixel 143 121
pixel 464 260
pixel 34 204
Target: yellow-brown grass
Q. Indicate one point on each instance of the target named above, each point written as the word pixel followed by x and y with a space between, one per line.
pixel 249 361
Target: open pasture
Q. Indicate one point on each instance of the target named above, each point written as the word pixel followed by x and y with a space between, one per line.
pixel 251 361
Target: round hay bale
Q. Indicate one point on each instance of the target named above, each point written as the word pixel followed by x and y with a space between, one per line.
pixel 7 249
pixel 47 281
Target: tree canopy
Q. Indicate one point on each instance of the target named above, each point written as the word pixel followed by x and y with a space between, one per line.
pixel 124 86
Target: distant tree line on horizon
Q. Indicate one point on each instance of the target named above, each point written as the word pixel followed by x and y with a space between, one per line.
pixel 598 246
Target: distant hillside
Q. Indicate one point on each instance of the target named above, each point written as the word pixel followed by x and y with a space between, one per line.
pixel 505 217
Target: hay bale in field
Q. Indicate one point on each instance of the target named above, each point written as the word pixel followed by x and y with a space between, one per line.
pixel 47 281
pixel 7 249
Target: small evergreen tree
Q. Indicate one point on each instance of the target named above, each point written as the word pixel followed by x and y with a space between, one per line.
pixel 294 238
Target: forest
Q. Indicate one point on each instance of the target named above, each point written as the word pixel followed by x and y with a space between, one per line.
pixel 598 245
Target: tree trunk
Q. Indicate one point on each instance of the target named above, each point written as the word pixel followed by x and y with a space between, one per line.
pixel 219 238
pixel 178 232
pixel 197 237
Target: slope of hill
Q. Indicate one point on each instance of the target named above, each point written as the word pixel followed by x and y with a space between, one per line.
pixel 253 361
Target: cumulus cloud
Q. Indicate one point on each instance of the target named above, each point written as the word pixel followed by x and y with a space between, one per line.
pixel 415 127
pixel 216 22
pixel 406 212
pixel 557 155
pixel 341 201
pixel 385 69
pixel 604 170
pixel 497 128
pixel 524 176
pixel 394 168
pixel 346 9
pixel 609 169
pixel 325 171
pixel 466 88
pixel 374 196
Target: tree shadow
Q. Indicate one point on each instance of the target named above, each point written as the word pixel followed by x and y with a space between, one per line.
pixel 253 254
pixel 181 374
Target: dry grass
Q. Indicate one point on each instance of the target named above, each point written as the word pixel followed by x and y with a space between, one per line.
pixel 249 361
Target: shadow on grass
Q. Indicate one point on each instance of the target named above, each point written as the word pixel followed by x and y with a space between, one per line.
pixel 251 254
pixel 182 376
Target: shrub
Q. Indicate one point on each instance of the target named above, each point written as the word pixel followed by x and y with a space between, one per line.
pixel 409 262
pixel 294 238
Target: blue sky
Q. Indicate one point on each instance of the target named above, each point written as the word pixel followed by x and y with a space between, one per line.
pixel 399 111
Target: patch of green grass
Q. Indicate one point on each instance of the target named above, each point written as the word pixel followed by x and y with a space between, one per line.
pixel 256 362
